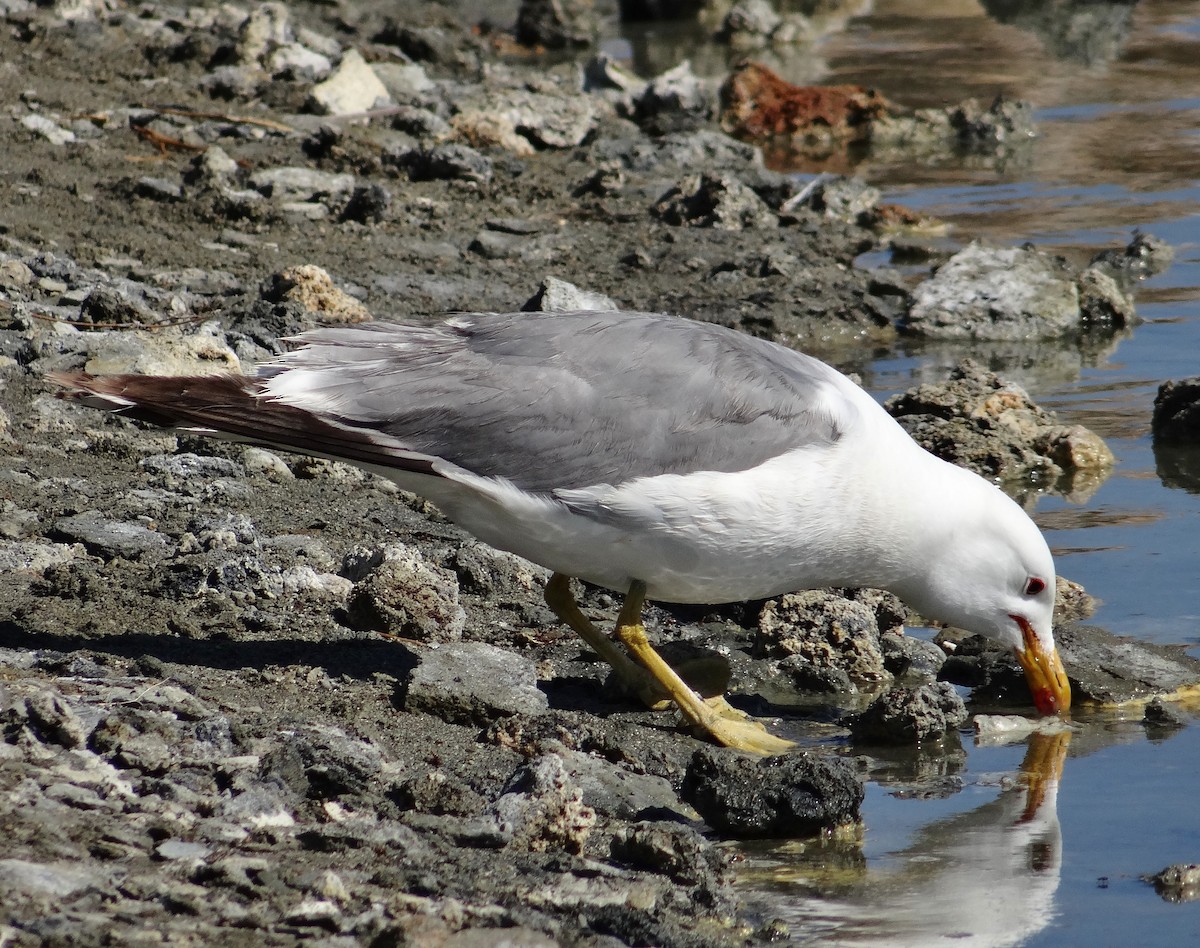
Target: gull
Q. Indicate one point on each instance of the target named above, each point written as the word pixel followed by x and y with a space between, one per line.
pixel 657 456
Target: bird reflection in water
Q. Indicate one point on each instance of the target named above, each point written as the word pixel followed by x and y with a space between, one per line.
pixel 985 877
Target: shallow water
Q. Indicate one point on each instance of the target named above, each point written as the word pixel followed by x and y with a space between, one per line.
pixel 992 861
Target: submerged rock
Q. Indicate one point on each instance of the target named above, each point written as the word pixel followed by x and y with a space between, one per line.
pixel 1177 883
pixel 1177 410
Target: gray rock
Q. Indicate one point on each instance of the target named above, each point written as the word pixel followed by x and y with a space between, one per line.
pixel 520 120
pixel 557 24
pixel 34 558
pixel 421 123
pixel 825 632
pixel 485 571
pixel 749 21
pixel 675 850
pixel 403 594
pixel 996 128
pixel 266 27
pixel 1110 669
pixel 48 879
pixel 212 167
pixel 443 162
pixel 298 62
pixel 996 293
pixel 903 655
pixel 1102 302
pixel 799 794
pixel 290 184
pixel 676 101
pixel 615 791
pixel 172 849
pixel 110 538
pixel 1161 717
pixel 107 304
pixel 910 715
pixel 172 470
pixel 473 682
pixel 542 808
pixel 323 762
pixel 437 792
pixel 982 422
pixel 53 719
pixel 403 81
pixel 555 295
pixel 199 351
pixel 1144 256
pixel 159 189
pixel 714 200
pixel 1177 883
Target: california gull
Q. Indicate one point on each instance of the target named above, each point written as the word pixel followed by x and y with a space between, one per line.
pixel 657 456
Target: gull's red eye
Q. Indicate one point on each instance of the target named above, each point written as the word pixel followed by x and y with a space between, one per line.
pixel 1034 586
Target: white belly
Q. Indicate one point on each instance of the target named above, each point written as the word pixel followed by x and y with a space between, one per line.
pixel 700 538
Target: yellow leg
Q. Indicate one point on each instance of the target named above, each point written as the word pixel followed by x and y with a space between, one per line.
pixel 737 732
pixel 563 604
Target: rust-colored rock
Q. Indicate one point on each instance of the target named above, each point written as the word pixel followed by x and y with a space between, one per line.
pixel 756 104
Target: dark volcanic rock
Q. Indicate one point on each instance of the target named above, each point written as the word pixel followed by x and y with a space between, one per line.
pixel 1177 410
pixel 799 794
pixel 910 716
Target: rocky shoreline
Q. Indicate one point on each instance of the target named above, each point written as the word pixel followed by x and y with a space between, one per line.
pixel 248 698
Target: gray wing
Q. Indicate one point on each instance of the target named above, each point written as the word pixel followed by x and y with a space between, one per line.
pixel 564 400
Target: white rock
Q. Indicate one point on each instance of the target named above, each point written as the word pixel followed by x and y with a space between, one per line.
pixel 300 62
pixel 267 26
pixel 353 87
pixel 51 131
